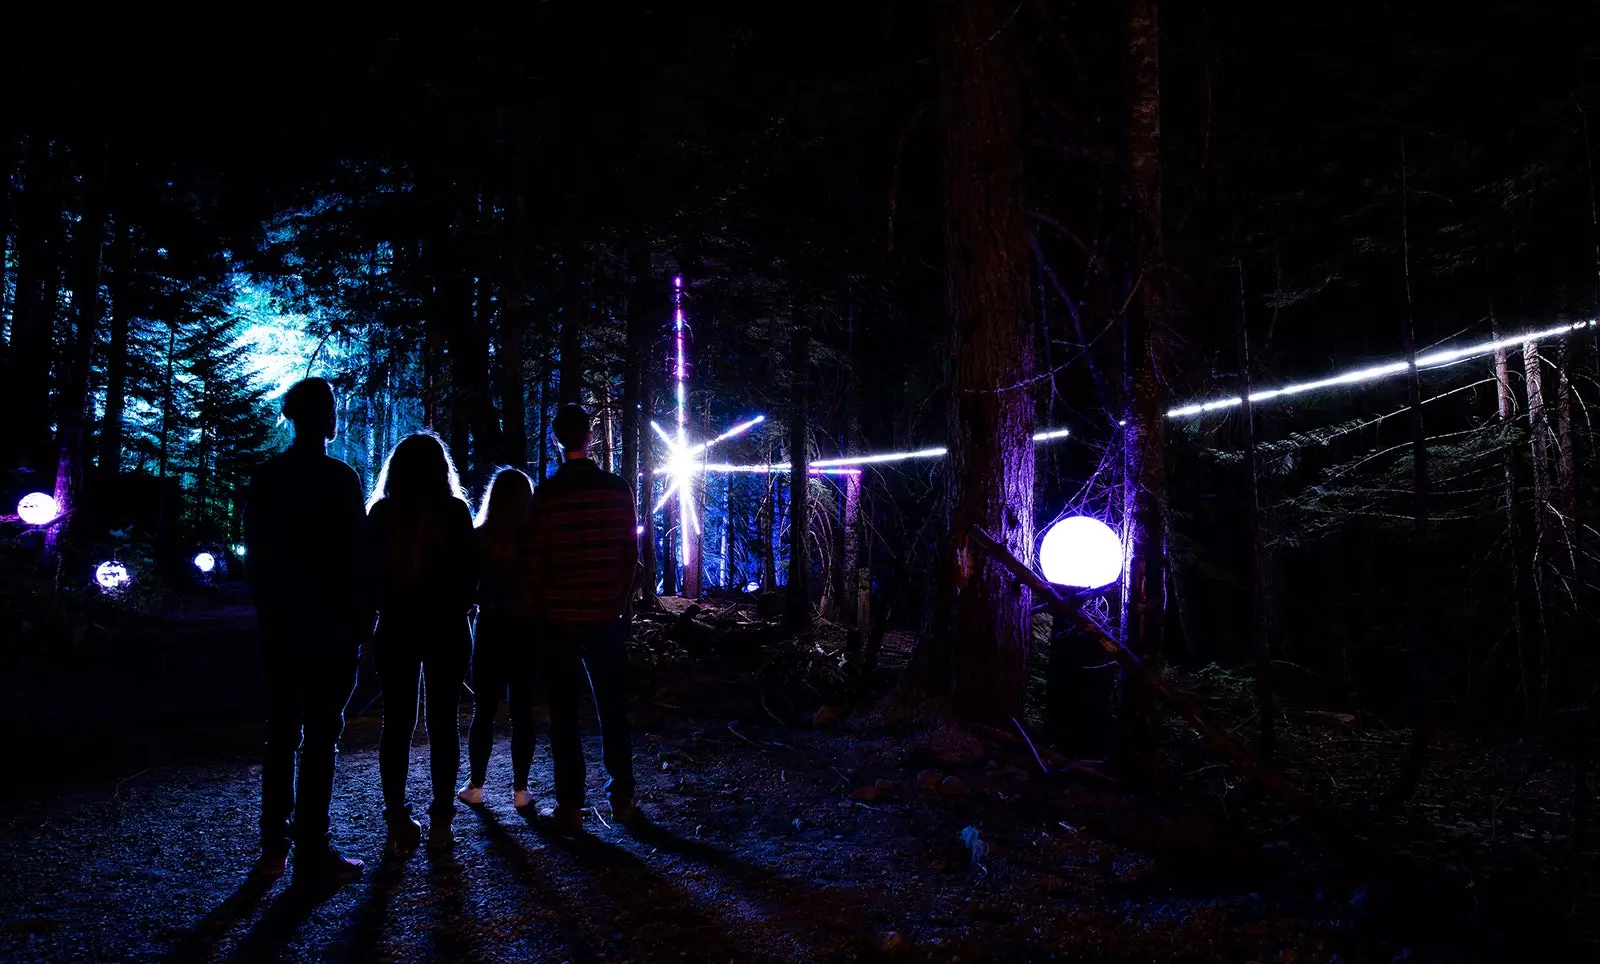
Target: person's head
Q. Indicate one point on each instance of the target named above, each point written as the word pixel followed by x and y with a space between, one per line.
pixel 571 429
pixel 506 500
pixel 419 468
pixel 309 405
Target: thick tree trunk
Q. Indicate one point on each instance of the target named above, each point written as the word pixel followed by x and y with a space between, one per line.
pixel 117 353
pixel 1506 406
pixel 798 608
pixel 1144 595
pixel 88 242
pixel 981 636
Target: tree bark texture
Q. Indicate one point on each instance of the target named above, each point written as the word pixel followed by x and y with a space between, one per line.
pixel 798 609
pixel 574 305
pixel 27 385
pixel 117 353
pixel 982 634
pixel 1144 508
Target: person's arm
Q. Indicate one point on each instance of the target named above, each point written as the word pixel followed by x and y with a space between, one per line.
pixel 462 555
pixel 533 545
pixel 351 547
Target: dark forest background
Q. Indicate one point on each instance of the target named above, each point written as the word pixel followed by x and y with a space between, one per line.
pixel 462 228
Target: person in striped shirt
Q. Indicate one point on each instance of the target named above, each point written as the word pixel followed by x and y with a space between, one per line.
pixel 580 559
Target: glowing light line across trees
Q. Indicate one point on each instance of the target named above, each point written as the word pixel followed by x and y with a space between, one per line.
pixel 1433 359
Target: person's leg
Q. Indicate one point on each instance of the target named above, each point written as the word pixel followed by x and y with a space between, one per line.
pixel 563 673
pixel 282 739
pixel 444 668
pixel 519 663
pixel 398 671
pixel 330 679
pixel 488 680
pixel 605 658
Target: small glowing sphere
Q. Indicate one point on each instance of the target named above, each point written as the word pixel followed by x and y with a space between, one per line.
pixel 37 508
pixel 752 586
pixel 205 562
pixel 1081 552
pixel 238 550
pixel 112 575
pixel 638 530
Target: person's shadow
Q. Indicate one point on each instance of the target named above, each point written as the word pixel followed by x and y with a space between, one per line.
pixel 202 938
pixel 552 907
pixel 673 921
pixel 283 917
pixel 361 938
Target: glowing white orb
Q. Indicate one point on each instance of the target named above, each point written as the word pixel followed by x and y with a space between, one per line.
pixel 37 508
pixel 205 562
pixel 112 575
pixel 752 587
pixel 238 550
pixel 1081 552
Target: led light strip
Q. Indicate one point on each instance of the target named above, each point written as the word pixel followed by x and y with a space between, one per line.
pixel 1433 359
pixel 856 460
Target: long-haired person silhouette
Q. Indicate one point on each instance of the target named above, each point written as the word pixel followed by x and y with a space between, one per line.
pixel 302 522
pixel 422 563
pixel 503 645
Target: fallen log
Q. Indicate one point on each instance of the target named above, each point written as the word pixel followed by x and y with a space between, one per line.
pixel 1179 702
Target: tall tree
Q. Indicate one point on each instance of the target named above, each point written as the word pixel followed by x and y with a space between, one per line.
pixel 27 387
pixel 982 636
pixel 798 610
pixel 111 429
pixel 1144 595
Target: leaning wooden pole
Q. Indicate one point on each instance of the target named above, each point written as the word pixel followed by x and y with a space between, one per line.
pixel 1136 669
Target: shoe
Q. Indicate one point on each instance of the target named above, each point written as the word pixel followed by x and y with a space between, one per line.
pixel 623 809
pixel 404 832
pixel 271 864
pixel 522 799
pixel 440 836
pixel 471 795
pixel 567 821
pixel 326 864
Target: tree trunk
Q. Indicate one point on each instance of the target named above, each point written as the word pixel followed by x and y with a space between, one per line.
pixel 117 353
pixel 1543 543
pixel 544 422
pixel 764 515
pixel 88 240
pixel 1411 768
pixel 1506 405
pixel 1144 509
pixel 1256 612
pixel 981 636
pixel 574 306
pixel 798 603
pixel 27 385
pixel 513 331
pixel 647 377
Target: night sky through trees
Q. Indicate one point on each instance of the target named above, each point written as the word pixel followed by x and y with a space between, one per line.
pixel 974 264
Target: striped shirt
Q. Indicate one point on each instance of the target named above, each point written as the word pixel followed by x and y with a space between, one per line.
pixel 581 548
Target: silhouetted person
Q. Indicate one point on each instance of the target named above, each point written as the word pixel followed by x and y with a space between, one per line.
pixel 502 646
pixel 303 520
pixel 422 562
pixel 581 554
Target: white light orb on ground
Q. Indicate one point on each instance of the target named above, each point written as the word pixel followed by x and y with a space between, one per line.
pixel 205 562
pixel 1081 552
pixel 112 575
pixel 37 508
pixel 752 587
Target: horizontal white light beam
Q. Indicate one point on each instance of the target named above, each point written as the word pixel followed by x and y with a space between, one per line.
pixel 739 429
pixel 1433 359
pixel 856 460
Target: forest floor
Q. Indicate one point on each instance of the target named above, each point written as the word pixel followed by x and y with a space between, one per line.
pixel 882 835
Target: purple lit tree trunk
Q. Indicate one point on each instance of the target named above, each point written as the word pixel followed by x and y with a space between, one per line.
pixel 88 242
pixel 1144 594
pixel 764 514
pixel 978 651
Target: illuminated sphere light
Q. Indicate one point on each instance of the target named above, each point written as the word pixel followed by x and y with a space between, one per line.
pixel 752 587
pixel 238 550
pixel 1081 552
pixel 112 575
pixel 37 508
pixel 205 562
